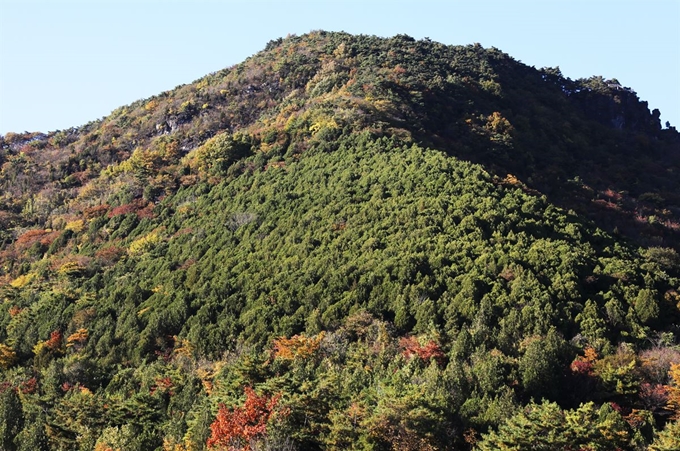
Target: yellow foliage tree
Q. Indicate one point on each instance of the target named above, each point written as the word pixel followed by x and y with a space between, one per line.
pixel 673 390
pixel 668 439
pixel 72 268
pixel 218 153
pixel 7 356
pixel 23 280
pixel 75 226
pixel 144 244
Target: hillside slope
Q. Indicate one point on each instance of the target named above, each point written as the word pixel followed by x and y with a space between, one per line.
pixel 346 242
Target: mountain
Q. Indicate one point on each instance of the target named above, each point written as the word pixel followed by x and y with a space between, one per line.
pixel 346 242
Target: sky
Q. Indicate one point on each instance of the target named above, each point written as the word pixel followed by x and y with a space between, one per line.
pixel 65 63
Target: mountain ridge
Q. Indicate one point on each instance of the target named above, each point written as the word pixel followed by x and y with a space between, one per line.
pixel 256 86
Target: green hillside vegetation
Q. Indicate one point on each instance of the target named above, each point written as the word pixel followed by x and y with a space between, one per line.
pixel 346 242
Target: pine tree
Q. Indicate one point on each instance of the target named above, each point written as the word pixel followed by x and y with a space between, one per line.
pixel 11 417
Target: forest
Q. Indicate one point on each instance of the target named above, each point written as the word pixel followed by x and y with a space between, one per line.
pixel 346 242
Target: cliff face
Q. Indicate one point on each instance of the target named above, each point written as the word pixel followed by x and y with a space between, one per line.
pixel 613 105
pixel 344 241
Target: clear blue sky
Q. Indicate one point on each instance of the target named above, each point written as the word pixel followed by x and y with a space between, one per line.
pixel 64 63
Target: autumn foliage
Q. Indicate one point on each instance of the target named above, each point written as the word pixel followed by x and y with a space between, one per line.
pixel 654 397
pixel 584 364
pixel 110 254
pixel 673 391
pixel 54 342
pixel 7 356
pixel 77 338
pixel 297 346
pixel 30 237
pixel 14 311
pixel 139 206
pixel 96 211
pixel 431 350
pixel 235 429
pixel 29 386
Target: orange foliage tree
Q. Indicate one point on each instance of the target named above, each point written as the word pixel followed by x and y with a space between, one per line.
pixel 29 237
pixel 297 346
pixel 54 342
pixel 236 429
pixel 77 339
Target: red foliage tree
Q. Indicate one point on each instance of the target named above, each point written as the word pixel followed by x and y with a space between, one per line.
pixel 110 255
pixel 133 207
pixel 96 211
pixel 431 350
pixel 580 366
pixel 584 364
pixel 54 342
pixel 29 386
pixel 29 237
pixel 235 429
pixel 653 396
